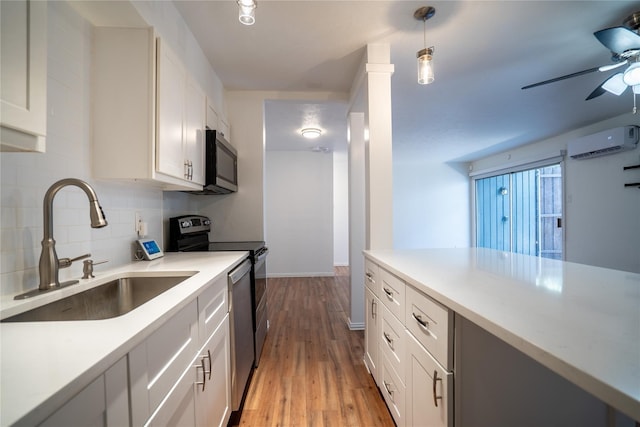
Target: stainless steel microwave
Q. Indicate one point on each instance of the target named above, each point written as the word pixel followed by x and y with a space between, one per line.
pixel 221 165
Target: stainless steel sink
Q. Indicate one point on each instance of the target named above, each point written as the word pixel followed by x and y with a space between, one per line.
pixel 106 301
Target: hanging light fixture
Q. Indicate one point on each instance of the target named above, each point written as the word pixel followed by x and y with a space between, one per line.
pixel 247 11
pixel 425 56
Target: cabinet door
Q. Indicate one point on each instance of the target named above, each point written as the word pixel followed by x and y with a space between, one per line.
pixel 213 398
pixel 212 115
pixel 102 403
pixel 371 328
pixel 23 73
pixel 225 128
pixel 171 88
pixel 429 389
pixel 196 108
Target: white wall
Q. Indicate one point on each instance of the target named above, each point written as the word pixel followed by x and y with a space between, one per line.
pixel 430 202
pixel 340 208
pixel 601 216
pixel 299 213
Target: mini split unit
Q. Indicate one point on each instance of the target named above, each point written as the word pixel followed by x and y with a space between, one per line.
pixel 610 141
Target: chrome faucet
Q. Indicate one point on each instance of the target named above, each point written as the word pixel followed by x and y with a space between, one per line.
pixel 49 262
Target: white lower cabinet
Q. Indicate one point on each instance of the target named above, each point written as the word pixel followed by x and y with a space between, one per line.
pixel 429 388
pixel 371 329
pixel 103 403
pixel 213 396
pixel 181 375
pixel 394 392
pixel 414 338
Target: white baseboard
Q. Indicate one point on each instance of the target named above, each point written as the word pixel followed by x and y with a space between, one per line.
pixel 356 326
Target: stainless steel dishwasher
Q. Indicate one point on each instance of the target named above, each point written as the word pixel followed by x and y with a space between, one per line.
pixel 242 351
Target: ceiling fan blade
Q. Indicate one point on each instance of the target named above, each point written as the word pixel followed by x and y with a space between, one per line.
pixel 596 93
pixel 618 39
pixel 568 76
pixel 614 84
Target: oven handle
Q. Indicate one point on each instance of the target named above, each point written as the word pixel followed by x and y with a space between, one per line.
pixel 240 271
pixel 262 255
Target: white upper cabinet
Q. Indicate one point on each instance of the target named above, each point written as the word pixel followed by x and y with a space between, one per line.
pixel 148 114
pixel 212 115
pixel 23 71
pixel 181 119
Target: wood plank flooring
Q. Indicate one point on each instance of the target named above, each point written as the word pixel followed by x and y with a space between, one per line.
pixel 311 372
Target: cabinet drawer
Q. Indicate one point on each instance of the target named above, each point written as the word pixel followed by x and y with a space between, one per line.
pixel 393 342
pixel 394 393
pixel 372 276
pixel 212 307
pixel 429 388
pixel 431 324
pixel 156 364
pixel 392 293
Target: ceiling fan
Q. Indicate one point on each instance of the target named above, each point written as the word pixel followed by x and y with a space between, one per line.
pixel 624 44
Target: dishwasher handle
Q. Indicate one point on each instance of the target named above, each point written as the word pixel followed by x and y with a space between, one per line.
pixel 240 271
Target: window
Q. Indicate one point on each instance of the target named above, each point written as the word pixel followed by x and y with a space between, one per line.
pixel 521 211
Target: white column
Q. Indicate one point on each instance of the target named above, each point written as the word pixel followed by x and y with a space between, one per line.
pixel 370 169
pixel 378 143
pixel 357 213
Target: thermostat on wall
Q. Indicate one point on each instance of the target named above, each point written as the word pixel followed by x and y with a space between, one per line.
pixel 149 249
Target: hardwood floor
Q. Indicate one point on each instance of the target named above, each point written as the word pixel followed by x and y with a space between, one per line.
pixel 311 372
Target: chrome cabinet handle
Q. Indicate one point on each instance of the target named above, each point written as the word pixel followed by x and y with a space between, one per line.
pixel 370 277
pixel 435 380
pixel 388 338
pixel 186 169
pixel 423 323
pixel 204 374
pixel 374 306
pixel 387 386
pixel 210 365
pixel 388 292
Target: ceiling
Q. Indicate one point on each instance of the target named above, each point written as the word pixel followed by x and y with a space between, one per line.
pixel 485 51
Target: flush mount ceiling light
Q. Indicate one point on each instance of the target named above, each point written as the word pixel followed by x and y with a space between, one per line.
pixel 311 133
pixel 425 56
pixel 247 11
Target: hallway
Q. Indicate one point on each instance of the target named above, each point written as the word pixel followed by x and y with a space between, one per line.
pixel 311 372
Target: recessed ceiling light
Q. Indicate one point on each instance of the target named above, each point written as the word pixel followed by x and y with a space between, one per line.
pixel 311 133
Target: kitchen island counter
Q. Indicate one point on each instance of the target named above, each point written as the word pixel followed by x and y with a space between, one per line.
pixel 581 322
pixel 44 364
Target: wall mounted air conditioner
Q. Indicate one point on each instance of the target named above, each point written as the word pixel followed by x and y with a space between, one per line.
pixel 610 141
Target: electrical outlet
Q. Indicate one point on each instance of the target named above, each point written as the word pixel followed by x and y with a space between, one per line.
pixel 137 222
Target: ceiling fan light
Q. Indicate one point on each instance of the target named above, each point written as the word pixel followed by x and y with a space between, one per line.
pixel 425 66
pixel 631 76
pixel 247 11
pixel 311 133
pixel 615 84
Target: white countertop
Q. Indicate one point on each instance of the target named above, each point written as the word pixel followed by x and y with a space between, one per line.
pixel 44 364
pixel 581 322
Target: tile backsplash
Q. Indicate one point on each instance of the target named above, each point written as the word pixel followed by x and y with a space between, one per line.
pixel 26 176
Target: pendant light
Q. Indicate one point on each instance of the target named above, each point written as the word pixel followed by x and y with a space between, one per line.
pixel 247 11
pixel 425 56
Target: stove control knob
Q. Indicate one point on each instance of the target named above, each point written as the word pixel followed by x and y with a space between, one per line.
pixel 185 224
pixel 207 222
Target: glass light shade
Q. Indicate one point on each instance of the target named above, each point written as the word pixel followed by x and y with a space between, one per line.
pixel 311 133
pixel 425 66
pixel 247 11
pixel 615 84
pixel 632 75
